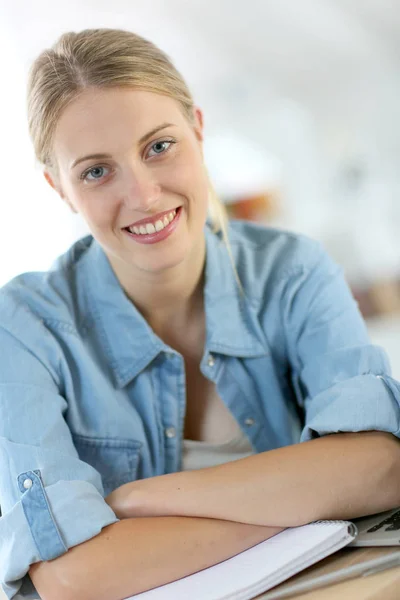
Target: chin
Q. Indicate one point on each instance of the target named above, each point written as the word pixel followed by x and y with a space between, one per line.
pixel 163 264
pixel 164 257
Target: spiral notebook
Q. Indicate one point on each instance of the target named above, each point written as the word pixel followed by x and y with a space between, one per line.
pixel 261 567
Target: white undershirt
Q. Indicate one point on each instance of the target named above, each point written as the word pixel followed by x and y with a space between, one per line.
pixel 198 455
pixel 223 440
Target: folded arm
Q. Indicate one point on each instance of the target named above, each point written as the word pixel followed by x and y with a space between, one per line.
pixel 134 555
pixel 338 476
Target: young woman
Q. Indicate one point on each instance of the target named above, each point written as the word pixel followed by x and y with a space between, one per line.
pixel 214 379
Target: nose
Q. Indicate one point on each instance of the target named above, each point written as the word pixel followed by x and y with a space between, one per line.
pixel 141 191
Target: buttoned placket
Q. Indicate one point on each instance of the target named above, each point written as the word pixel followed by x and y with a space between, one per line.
pixel 173 411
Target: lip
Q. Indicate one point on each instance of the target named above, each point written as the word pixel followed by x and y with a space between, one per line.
pixel 158 236
pixel 153 219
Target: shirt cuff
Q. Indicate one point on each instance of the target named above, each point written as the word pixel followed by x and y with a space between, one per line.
pixel 363 403
pixel 44 524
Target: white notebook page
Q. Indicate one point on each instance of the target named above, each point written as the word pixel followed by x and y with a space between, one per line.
pixel 259 568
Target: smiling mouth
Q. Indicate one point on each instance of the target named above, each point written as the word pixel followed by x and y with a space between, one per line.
pixel 154 225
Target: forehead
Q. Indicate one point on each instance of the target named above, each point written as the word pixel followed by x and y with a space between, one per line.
pixel 104 120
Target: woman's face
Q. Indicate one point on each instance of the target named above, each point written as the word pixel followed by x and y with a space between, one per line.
pixel 148 176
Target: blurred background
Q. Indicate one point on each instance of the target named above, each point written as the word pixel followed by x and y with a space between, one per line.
pixel 302 116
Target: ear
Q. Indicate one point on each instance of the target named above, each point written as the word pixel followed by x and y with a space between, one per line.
pixel 51 181
pixel 198 123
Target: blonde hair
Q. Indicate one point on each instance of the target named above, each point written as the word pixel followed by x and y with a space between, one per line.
pixel 103 58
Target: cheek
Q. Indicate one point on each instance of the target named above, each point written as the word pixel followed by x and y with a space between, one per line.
pixel 188 177
pixel 98 207
pixel 98 210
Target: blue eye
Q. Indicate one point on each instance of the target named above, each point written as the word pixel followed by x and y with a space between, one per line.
pixel 93 171
pixel 97 172
pixel 161 147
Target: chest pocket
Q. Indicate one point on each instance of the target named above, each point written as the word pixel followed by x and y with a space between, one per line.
pixel 116 460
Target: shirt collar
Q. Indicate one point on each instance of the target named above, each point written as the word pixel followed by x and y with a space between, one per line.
pixel 128 340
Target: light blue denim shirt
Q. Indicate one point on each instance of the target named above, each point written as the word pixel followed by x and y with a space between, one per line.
pixel 91 398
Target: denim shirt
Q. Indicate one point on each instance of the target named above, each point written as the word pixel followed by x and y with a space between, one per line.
pixel 91 398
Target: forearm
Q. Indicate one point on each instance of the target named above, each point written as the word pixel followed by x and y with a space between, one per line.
pixel 337 476
pixel 134 555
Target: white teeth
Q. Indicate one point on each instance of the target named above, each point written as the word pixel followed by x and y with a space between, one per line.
pixel 150 228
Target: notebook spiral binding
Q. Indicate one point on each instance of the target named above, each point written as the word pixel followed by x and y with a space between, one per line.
pixel 351 528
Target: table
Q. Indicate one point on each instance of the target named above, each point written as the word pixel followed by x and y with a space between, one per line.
pixel 384 585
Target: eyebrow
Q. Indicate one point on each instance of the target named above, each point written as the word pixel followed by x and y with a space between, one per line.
pixel 142 140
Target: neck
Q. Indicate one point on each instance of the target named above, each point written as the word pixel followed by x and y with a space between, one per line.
pixel 172 297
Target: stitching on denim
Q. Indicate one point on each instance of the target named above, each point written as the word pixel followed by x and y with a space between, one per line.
pixel 63 326
pixel 49 509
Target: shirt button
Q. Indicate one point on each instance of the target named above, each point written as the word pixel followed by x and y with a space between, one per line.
pixel 249 421
pixel 379 377
pixel 170 432
pixel 28 483
pixel 210 360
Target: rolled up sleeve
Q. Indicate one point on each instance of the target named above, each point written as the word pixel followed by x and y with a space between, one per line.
pixel 50 500
pixel 344 380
